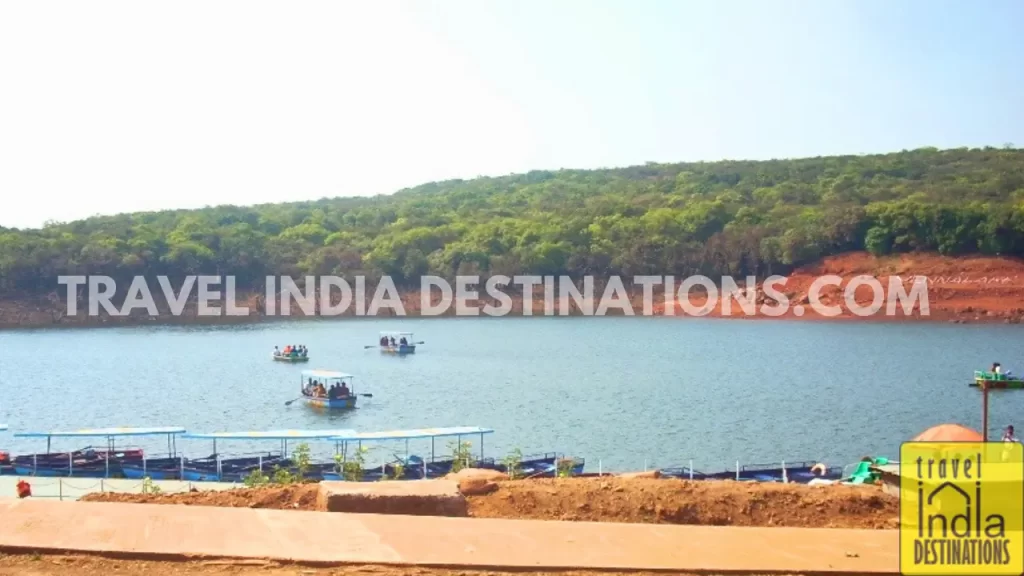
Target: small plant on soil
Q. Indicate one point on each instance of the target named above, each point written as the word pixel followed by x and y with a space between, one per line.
pixel 462 455
pixel 282 476
pixel 563 467
pixel 149 487
pixel 352 469
pixel 512 462
pixel 256 478
pixel 303 461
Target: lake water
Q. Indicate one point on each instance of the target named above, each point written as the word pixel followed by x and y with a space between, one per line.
pixel 624 391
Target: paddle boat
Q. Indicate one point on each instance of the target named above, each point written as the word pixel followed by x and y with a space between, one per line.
pixel 91 462
pixel 345 397
pixel 217 468
pixel 994 381
pixel 392 343
pixel 293 356
pixel 798 472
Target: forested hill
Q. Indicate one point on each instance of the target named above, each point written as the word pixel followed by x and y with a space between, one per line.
pixel 713 218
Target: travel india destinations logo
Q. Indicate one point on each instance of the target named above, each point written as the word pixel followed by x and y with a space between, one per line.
pixel 962 508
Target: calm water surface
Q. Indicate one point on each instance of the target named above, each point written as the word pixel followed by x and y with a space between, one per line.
pixel 621 390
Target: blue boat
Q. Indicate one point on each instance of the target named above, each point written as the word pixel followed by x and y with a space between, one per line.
pixel 108 462
pixel 797 472
pixel 217 468
pixel 398 343
pixel 414 467
pixel 345 398
pixel 5 458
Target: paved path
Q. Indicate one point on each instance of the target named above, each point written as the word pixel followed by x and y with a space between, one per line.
pixel 145 530
pixel 75 488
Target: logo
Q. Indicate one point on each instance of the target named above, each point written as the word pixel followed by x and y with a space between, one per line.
pixel 961 508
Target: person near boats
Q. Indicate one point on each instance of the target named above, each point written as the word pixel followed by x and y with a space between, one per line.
pixel 403 341
pixel 343 391
pixel 287 351
pixel 392 339
pixel 276 351
pixel 1008 435
pixel 383 340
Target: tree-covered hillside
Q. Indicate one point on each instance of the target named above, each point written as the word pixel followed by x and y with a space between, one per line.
pixel 713 218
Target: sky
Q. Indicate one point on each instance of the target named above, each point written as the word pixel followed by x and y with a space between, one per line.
pixel 109 107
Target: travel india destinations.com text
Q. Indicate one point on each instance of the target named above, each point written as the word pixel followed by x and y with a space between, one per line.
pixel 317 295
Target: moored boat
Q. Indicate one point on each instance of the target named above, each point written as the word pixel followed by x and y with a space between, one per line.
pixel 108 462
pixel 801 472
pixel 218 468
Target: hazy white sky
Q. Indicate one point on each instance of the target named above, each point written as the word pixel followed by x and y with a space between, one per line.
pixel 109 106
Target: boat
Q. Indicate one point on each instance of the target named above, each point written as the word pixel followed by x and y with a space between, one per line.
pixel 292 358
pixel 217 468
pixel 327 378
pixel 386 346
pixel 413 467
pixel 5 457
pixel 993 381
pixel 91 462
pixel 801 472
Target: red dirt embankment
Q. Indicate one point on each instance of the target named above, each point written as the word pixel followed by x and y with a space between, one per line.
pixel 965 289
pixel 610 499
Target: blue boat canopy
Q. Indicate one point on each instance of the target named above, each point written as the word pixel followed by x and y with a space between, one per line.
pixel 272 435
pixel 418 433
pixel 324 374
pixel 103 432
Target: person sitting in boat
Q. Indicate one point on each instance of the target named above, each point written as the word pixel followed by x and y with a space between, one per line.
pixel 305 351
pixel 343 391
pixel 392 340
pixel 383 340
pixel 276 351
pixel 403 341
pixel 287 350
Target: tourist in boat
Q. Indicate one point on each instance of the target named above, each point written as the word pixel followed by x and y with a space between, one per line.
pixel 383 340
pixel 392 340
pixel 996 368
pixel 343 391
pixel 287 350
pixel 1008 435
pixel 403 341
pixel 276 351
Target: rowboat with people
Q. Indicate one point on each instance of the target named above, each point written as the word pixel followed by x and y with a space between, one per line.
pixel 399 343
pixel 327 389
pixel 290 354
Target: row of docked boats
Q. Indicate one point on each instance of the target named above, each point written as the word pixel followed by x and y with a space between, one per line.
pixel 132 462
pixel 110 461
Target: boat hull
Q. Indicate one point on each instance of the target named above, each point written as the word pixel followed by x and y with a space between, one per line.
pixel 290 359
pixel 331 404
pixel 999 384
pixel 400 350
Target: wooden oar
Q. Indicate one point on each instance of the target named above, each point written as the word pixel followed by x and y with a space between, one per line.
pixel 290 402
pixel 366 395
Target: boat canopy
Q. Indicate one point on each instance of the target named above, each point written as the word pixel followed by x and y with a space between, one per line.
pixel 103 432
pixel 396 333
pixel 324 374
pixel 272 435
pixel 418 433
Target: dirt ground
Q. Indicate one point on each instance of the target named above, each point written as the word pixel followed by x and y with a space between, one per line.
pixel 610 499
pixel 972 289
pixel 35 565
